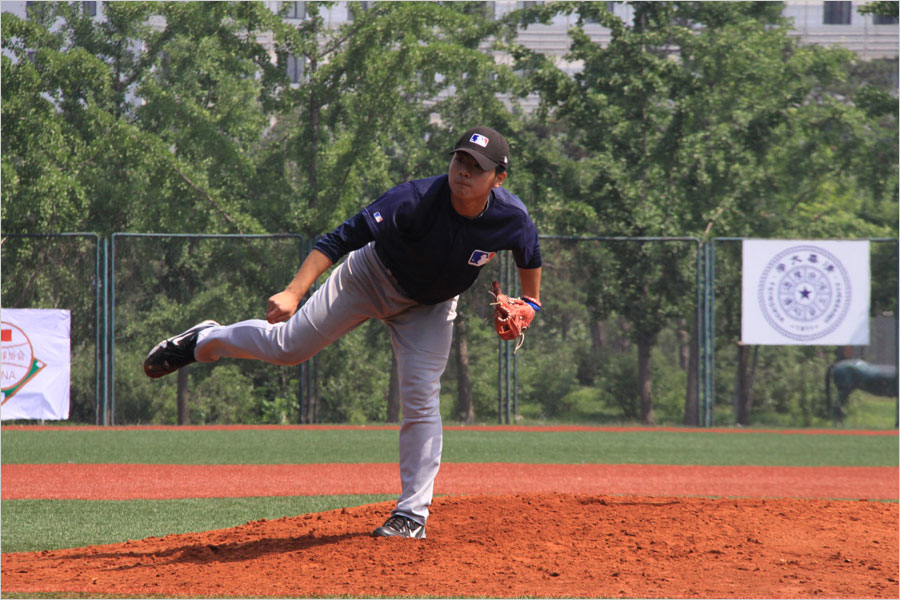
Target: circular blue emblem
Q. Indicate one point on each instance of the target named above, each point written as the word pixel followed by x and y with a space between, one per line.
pixel 804 293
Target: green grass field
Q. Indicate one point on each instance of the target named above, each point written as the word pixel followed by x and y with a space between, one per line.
pixel 292 446
pixel 28 525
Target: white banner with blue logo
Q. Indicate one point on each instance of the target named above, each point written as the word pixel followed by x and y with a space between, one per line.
pixel 805 292
pixel 36 363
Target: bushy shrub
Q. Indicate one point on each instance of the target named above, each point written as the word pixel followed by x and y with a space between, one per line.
pixel 669 388
pixel 354 376
pixel 224 398
pixel 83 385
pixel 788 389
pixel 139 399
pixel 549 388
pixel 618 378
pixel 483 367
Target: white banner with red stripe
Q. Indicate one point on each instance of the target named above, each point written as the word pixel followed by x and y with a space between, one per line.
pixel 36 363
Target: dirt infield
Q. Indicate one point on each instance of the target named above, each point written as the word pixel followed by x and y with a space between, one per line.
pixel 531 545
pixel 130 481
pixel 497 530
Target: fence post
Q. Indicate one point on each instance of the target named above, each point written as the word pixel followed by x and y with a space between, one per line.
pixel 510 290
pixel 99 307
pixel 105 330
pixel 300 366
pixel 515 358
pixel 500 261
pixel 710 333
pixel 112 329
pixel 700 333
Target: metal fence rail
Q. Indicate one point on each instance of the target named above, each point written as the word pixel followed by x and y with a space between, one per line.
pixel 605 299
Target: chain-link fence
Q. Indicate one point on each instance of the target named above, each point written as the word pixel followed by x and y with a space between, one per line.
pixel 786 385
pixel 163 284
pixel 63 271
pixel 616 340
pixel 632 330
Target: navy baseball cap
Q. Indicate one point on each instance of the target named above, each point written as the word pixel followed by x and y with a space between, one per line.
pixel 486 146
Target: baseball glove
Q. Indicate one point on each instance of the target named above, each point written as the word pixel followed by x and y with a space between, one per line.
pixel 512 316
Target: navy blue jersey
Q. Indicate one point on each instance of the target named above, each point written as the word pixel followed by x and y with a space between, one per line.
pixel 434 252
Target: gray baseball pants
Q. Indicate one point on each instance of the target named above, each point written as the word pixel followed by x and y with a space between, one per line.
pixel 359 289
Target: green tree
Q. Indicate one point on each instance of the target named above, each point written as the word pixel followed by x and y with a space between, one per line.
pixel 174 117
pixel 703 119
pixel 379 101
pixel 886 8
pixel 143 121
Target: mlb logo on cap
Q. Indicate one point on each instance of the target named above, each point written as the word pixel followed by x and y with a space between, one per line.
pixel 479 139
pixel 486 145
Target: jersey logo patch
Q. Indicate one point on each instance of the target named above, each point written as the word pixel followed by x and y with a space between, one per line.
pixel 480 258
pixel 378 218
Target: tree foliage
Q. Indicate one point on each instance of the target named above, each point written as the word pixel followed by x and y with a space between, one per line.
pixel 696 119
pixel 703 119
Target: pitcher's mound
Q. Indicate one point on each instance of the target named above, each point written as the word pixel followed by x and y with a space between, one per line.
pixel 540 545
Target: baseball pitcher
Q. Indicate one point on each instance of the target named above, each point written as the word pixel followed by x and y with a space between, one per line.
pixel 410 254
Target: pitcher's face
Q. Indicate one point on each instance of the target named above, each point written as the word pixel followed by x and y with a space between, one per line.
pixel 468 181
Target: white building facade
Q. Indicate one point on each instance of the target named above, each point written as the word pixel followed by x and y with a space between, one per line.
pixel 815 22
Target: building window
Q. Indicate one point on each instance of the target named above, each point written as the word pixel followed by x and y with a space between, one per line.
pixel 521 5
pixel 294 69
pixel 90 8
pixel 884 20
pixel 296 10
pixel 610 7
pixel 837 13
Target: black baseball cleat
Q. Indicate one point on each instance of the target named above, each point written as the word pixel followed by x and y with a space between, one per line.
pixel 175 352
pixel 400 526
